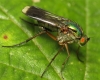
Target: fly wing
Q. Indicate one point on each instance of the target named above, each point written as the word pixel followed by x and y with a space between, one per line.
pixel 43 16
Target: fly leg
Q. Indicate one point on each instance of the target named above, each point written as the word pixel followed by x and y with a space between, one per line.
pixel 51 61
pixel 63 44
pixel 53 37
pixel 21 43
pixel 78 55
pixel 63 65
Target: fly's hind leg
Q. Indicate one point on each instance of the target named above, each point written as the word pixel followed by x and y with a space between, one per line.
pixel 52 36
pixel 21 43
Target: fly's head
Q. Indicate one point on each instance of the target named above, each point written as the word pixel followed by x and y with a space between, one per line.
pixel 83 40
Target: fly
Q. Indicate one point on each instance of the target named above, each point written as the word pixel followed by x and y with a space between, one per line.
pixel 68 32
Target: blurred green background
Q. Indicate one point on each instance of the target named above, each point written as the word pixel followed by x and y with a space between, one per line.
pixel 27 62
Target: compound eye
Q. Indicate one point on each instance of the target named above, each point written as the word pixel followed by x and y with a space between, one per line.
pixel 83 40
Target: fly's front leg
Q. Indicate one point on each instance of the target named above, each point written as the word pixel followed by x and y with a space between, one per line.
pixel 77 52
pixel 21 43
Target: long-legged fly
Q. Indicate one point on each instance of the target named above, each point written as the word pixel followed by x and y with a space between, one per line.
pixel 68 32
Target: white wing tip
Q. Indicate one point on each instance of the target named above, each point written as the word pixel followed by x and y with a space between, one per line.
pixel 25 9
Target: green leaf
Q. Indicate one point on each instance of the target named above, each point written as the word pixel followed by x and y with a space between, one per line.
pixel 27 62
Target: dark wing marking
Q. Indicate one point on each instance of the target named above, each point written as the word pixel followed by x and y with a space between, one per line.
pixel 43 16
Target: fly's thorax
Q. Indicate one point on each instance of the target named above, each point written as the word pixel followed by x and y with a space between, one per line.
pixel 69 33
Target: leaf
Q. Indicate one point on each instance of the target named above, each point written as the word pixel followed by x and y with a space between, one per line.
pixel 27 62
